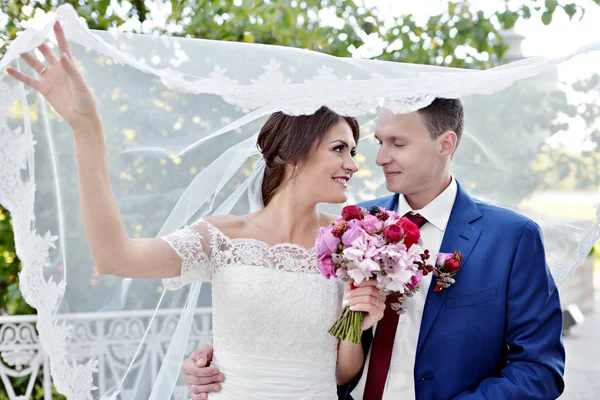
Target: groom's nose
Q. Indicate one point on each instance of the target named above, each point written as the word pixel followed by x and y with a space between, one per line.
pixel 382 157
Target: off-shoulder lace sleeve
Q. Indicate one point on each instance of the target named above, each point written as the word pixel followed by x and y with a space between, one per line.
pixel 190 246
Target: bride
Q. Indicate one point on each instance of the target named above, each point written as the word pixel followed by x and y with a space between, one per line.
pixel 271 307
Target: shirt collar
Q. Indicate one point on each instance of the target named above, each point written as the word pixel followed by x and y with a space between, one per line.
pixel 437 212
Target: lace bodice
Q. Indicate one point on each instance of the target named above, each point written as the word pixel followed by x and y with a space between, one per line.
pixel 268 301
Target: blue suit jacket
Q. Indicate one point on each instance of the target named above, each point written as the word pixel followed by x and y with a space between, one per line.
pixel 497 332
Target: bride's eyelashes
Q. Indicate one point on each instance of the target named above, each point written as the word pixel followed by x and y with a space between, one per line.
pixel 341 147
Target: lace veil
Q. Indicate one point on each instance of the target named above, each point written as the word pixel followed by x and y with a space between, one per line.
pixel 181 119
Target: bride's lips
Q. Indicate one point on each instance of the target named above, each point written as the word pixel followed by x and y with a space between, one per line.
pixel 342 180
pixel 390 174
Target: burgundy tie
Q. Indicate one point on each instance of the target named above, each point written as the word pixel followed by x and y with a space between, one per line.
pixel 383 342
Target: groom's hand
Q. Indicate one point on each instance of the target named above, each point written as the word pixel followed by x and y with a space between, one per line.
pixel 366 297
pixel 200 378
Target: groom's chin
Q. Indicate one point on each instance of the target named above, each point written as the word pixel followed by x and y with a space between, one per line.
pixel 392 186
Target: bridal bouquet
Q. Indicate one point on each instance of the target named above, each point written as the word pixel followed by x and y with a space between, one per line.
pixel 371 244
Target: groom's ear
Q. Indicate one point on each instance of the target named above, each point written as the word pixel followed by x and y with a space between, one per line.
pixel 448 142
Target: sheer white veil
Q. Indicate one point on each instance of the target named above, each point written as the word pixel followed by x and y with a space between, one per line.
pixel 181 120
pixel 255 197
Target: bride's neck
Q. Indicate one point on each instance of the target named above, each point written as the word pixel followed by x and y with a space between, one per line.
pixel 292 215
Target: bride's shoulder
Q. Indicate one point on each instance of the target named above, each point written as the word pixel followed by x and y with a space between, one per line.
pixel 230 225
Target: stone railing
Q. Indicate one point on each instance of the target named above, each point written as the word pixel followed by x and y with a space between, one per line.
pixel 111 338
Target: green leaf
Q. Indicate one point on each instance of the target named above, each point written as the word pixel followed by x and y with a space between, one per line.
pixel 103 6
pixel 434 22
pixel 452 7
pixel 368 27
pixel 551 5
pixel 289 17
pixel 508 19
pixel 13 292
pixel 570 9
pixel 547 17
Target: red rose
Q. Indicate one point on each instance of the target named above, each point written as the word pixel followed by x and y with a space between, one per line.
pixel 452 265
pixel 437 288
pixel 393 233
pixel 411 231
pixel 352 212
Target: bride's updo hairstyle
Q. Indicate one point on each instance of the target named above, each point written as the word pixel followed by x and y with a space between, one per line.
pixel 287 140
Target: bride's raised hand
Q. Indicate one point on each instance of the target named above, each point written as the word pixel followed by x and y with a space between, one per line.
pixel 61 83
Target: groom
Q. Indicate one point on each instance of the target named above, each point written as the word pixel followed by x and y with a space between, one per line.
pixel 496 332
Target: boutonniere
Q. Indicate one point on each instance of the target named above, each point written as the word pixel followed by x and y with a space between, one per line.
pixel 446 266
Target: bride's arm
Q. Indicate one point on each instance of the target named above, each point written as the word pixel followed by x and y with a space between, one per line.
pixel 351 356
pixel 349 363
pixel 114 252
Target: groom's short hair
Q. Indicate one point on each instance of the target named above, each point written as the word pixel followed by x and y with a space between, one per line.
pixel 444 115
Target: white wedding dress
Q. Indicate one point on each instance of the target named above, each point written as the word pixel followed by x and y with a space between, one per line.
pixel 271 313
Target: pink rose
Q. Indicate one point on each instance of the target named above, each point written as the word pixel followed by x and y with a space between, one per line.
pixel 372 224
pixel 326 242
pixel 441 259
pixel 352 232
pixel 326 267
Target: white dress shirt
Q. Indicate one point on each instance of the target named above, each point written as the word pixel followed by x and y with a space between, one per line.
pixel 400 384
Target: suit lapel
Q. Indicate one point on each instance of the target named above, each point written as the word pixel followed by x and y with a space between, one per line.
pixel 460 235
pixel 389 203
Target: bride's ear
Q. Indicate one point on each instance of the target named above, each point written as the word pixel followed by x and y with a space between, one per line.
pixel 292 168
